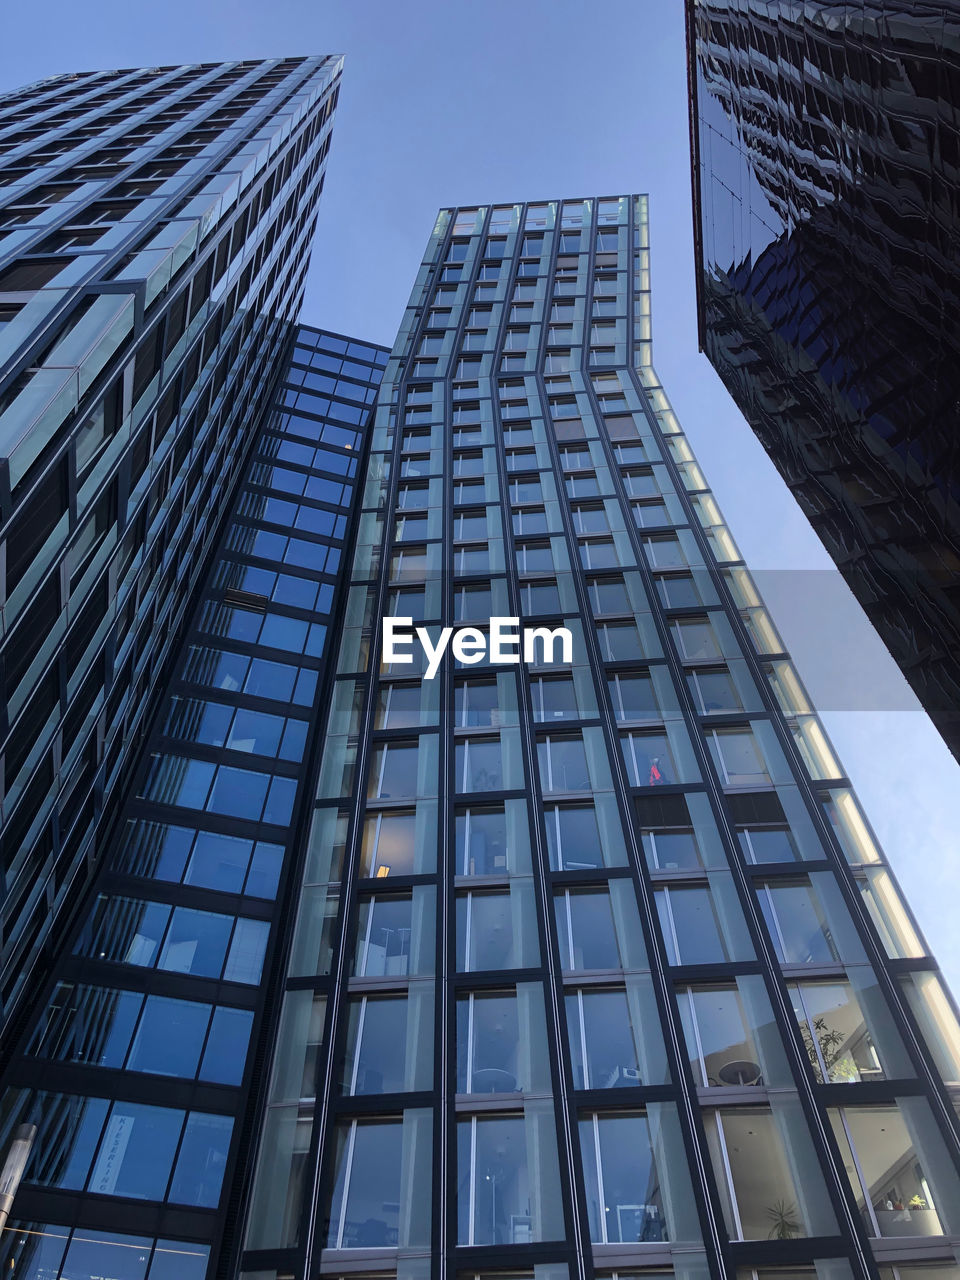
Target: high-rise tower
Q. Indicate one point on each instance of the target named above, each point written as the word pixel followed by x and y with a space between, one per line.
pixel 826 176
pixel 155 227
pixel 593 964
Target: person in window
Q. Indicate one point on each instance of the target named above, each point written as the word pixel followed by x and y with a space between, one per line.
pixel 656 775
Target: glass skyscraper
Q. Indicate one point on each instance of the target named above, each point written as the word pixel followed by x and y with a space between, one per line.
pixel 155 227
pixel 585 965
pixel 594 966
pixel 826 174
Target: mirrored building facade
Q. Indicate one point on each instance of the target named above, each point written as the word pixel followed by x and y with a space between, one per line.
pixel 825 169
pixel 155 227
pixel 142 1054
pixel 594 968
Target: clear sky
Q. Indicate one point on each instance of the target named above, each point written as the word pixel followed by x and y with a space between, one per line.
pixel 450 102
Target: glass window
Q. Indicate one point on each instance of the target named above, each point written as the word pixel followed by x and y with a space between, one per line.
pixel 702 924
pixel 844 1037
pixel 648 758
pixel 573 837
pixel 170 1037
pixel 477 704
pixel 497 930
pixel 389 844
pixel 714 691
pixel 508 1182
pixel 383 937
pixel 563 764
pixel 897 1163
pixel 768 844
pixel 600 928
pixel 502 1041
pixel 393 771
pixel 695 639
pixel 619 641
pixel 798 922
pixel 614 1036
pixel 398 706
pixel 731 1036
pixel 389 1043
pixel 554 698
pixel 635 1176
pixel 198 1176
pixel 366 1196
pixel 934 1011
pixel 737 757
pixel 478 765
pixel 771 1184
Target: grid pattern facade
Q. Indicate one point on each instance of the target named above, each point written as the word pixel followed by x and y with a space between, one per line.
pixel 138 1072
pixel 155 228
pixel 826 173
pixel 596 967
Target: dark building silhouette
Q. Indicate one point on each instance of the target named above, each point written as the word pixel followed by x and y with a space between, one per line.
pixel 826 169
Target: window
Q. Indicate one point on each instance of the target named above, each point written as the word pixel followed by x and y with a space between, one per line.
pixel 527 521
pixel 844 1036
pixel 389 845
pixel 799 926
pixel 771 1184
pixel 398 706
pixel 731 1036
pixel 615 1037
pixel 482 842
pixel 502 1041
pixel 539 598
pixel 534 557
pixel 679 591
pixel 898 1167
pixel 394 770
pixel 478 765
pixel 590 520
pixel 633 697
pixel 635 1176
pixel 380 1199
pixel 648 758
pixel 737 757
pixel 619 641
pixel 477 704
pixel 497 930
pixel 599 929
pixel 385 1052
pixel 563 764
pixel 383 936
pixel 609 595
pixel 701 924
pixel 554 698
pixel 573 837
pixel 768 844
pixel 473 604
pixel 714 691
pixel 508 1180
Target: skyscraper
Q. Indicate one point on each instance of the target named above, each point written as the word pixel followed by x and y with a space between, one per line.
pixel 134 1074
pixel 825 184
pixel 155 227
pixel 593 966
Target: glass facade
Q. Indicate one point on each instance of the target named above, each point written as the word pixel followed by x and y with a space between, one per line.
pixel 155 228
pixel 141 1056
pixel 595 966
pixel 825 174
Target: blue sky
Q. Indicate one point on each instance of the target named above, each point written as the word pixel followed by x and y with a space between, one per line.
pixel 448 102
